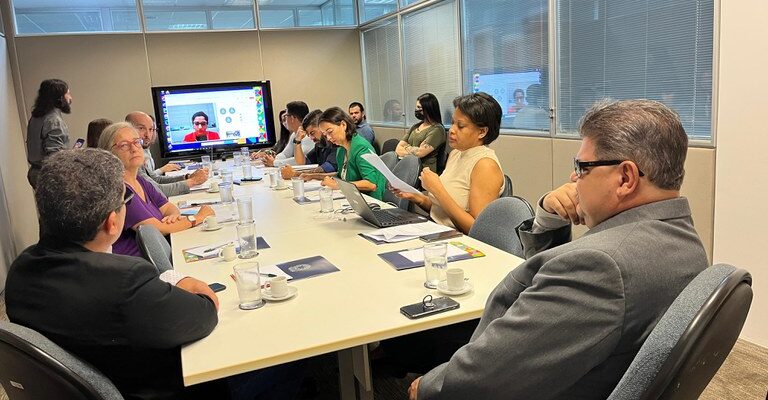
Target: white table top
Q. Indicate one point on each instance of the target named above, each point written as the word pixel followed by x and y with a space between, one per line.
pixel 357 305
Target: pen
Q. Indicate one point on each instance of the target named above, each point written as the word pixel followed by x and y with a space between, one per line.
pixel 203 203
pixel 217 247
pixel 268 275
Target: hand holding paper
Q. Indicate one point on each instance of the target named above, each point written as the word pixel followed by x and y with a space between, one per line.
pixel 393 180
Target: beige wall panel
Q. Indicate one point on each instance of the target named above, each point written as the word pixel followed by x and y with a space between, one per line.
pixel 528 162
pixel 740 222
pixel 699 188
pixel 384 133
pixel 197 57
pixel 13 164
pixel 322 68
pixel 106 73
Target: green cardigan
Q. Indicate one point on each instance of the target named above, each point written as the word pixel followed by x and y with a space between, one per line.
pixel 359 169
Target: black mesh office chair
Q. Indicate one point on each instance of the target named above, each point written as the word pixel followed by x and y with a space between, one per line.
pixel 32 368
pixel 691 340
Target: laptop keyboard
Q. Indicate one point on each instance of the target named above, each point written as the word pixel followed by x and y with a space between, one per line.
pixel 385 218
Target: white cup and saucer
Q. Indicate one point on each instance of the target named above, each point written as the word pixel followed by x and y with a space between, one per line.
pixel 210 223
pixel 214 187
pixel 228 252
pixel 277 289
pixel 454 284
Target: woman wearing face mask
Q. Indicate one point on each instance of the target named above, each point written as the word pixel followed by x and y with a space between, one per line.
pixel 472 176
pixel 423 139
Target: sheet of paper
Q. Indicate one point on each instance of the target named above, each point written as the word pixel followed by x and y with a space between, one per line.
pixel 305 167
pixel 207 249
pixel 203 186
pixel 315 196
pixel 417 255
pixel 406 232
pixel 393 180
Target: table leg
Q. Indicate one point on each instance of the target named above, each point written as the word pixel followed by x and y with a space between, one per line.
pixel 347 389
pixel 362 370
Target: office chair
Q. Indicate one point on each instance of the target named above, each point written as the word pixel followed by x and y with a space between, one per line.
pixel 389 159
pixel 692 338
pixel 154 247
pixel 497 223
pixel 507 191
pixel 407 170
pixel 389 145
pixel 442 157
pixel 33 367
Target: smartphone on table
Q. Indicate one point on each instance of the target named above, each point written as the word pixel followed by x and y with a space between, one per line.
pixel 434 237
pixel 425 308
pixel 217 287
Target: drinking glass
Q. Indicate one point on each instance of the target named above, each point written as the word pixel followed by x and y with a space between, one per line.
pixel 298 188
pixel 435 263
pixel 246 234
pixel 245 209
pixel 326 199
pixel 248 281
pixel 225 191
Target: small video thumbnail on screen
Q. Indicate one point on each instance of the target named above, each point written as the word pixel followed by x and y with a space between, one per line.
pixel 214 115
pixel 513 90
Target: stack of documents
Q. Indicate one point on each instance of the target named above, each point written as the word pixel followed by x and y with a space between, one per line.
pixel 402 233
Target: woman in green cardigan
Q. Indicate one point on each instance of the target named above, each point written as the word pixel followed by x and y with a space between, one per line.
pixel 339 128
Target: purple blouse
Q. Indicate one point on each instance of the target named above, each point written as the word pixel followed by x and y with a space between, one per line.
pixel 136 211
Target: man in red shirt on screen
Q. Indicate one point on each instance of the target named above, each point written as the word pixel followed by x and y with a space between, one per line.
pixel 201 133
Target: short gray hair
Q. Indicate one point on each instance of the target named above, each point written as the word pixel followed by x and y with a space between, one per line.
pixel 644 131
pixel 76 192
pixel 107 138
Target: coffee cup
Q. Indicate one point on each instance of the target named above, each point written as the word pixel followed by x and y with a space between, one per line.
pixel 454 279
pixel 210 223
pixel 278 286
pixel 228 252
pixel 214 187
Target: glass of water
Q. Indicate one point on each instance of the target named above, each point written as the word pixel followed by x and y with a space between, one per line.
pixel 246 234
pixel 205 159
pixel 248 280
pixel 245 209
pixel 435 263
pixel 298 188
pixel 225 191
pixel 326 199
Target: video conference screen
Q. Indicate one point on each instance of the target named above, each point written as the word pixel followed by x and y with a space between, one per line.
pixel 509 89
pixel 219 117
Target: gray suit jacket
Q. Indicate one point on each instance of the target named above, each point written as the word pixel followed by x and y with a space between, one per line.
pixel 567 322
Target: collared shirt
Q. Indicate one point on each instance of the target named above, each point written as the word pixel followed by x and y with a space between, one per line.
pixel 364 130
pixel 45 136
pixel 286 157
pixel 324 155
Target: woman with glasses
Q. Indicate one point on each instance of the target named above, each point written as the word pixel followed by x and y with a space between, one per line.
pixel 423 139
pixel 472 177
pixel 201 132
pixel 339 128
pixel 148 205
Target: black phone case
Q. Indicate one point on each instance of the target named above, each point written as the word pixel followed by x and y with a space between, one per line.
pixel 418 310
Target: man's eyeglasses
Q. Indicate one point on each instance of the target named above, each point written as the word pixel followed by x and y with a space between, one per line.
pixel 200 123
pixel 125 145
pixel 127 196
pixel 580 167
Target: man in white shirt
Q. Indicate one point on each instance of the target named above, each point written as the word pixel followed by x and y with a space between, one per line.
pixel 295 112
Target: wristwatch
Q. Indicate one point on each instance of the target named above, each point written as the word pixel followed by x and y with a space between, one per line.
pixel 192 219
pixel 296 141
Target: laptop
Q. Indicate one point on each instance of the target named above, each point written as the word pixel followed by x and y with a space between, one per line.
pixel 378 218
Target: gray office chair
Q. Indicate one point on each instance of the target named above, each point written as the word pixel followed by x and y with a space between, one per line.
pixel 692 338
pixel 390 159
pixel 33 367
pixel 407 170
pixel 442 157
pixel 507 191
pixel 389 145
pixel 497 223
pixel 154 247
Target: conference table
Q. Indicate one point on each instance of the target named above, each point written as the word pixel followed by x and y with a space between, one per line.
pixel 339 312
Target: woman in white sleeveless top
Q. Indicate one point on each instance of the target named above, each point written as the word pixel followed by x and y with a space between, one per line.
pixel 472 177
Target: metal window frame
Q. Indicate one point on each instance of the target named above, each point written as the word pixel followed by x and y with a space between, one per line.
pixel 393 19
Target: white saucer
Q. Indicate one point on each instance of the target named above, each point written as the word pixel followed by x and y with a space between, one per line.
pixel 267 295
pixel 214 229
pixel 442 287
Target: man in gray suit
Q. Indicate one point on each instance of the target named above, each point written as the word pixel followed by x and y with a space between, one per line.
pixel 169 185
pixel 567 322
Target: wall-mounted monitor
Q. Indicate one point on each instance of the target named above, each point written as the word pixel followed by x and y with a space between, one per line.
pixel 509 89
pixel 213 118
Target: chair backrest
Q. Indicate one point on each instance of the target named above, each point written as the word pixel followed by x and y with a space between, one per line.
pixel 507 191
pixel 442 156
pixel 390 159
pixel 154 247
pixel 389 145
pixel 692 338
pixel 497 222
pixel 33 367
pixel 407 170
